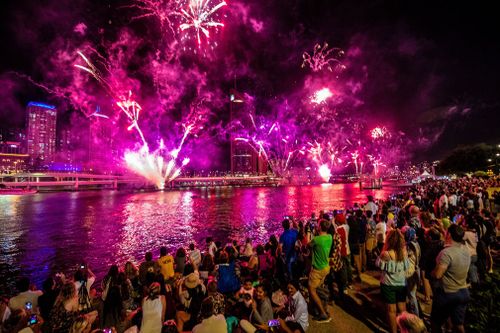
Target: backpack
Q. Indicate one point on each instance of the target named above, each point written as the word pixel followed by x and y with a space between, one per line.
pixel 335 254
pixel 84 302
pixel 413 273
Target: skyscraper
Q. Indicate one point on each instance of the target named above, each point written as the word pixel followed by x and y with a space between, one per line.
pixel 244 158
pixel 41 133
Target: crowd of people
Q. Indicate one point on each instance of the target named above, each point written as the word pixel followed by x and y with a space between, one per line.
pixel 436 237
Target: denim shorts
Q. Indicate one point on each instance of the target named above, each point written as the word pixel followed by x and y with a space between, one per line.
pixel 449 305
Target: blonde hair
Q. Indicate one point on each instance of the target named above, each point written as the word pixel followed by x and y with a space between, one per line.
pixel 410 323
pixel 396 242
pixel 79 325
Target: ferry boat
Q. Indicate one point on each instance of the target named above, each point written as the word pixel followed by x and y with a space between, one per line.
pixel 15 191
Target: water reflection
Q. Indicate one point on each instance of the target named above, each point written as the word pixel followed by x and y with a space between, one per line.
pixel 46 233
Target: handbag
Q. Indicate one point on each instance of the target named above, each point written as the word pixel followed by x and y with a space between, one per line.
pixel 335 254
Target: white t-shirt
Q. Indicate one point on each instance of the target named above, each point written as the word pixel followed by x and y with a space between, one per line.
pixel 213 324
pixel 19 301
pixel 370 205
pixel 443 201
pixel 380 230
pixel 452 200
pixel 212 248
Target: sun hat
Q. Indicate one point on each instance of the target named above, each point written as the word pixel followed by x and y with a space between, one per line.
pixel 191 281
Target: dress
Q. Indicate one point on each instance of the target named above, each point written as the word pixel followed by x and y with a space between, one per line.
pixel 151 316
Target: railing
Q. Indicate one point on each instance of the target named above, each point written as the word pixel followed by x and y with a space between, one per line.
pixel 77 181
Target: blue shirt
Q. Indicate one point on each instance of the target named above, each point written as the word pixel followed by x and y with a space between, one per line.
pixel 288 239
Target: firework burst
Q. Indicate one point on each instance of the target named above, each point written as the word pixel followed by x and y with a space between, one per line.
pixel 151 165
pixel 200 17
pixel 320 96
pixel 379 132
pixel 323 57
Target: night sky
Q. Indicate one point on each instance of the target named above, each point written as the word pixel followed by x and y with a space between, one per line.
pixel 420 66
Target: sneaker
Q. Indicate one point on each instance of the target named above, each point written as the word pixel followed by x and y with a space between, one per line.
pixel 323 318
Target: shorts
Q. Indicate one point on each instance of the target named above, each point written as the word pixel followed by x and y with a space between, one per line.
pixel 317 277
pixel 393 294
pixel 354 249
pixel 449 305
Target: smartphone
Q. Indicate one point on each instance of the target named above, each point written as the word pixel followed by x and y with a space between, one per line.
pixel 82 266
pixel 33 319
pixel 107 330
pixel 28 306
pixel 273 323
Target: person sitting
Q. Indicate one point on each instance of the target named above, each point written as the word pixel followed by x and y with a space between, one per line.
pixel 297 316
pixel 47 300
pixel 245 294
pixel 191 294
pixel 25 297
pixel 66 310
pixel 218 300
pixel 147 266
pixel 194 255
pixel 166 264
pixel 227 282
pixel 153 310
pixel 262 311
pixel 211 322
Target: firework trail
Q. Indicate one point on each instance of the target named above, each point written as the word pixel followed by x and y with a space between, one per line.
pixel 376 162
pixel 323 57
pixel 326 156
pixel 200 16
pixel 269 140
pixel 150 165
pixel 164 10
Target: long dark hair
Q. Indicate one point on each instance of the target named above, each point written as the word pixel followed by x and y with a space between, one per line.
pixel 113 305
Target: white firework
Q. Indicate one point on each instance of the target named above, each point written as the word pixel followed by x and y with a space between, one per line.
pixel 199 16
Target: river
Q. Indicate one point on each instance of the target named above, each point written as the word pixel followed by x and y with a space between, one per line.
pixel 44 233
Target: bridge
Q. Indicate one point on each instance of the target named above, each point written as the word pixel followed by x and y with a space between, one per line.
pixel 78 181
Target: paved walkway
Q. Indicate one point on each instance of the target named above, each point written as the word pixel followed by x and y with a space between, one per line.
pixel 362 311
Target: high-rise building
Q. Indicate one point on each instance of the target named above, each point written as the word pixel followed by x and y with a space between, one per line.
pixel 41 133
pixel 244 158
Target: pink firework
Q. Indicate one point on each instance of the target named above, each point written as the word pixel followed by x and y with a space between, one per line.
pixel 378 133
pixel 199 16
pixel 323 57
pixel 376 164
pixel 320 96
pixel 150 165
pixel 163 10
pixel 325 172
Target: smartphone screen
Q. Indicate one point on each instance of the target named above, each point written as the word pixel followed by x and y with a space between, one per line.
pixel 273 323
pixel 32 320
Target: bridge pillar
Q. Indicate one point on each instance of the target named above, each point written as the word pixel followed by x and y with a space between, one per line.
pixel 76 183
pixel 115 184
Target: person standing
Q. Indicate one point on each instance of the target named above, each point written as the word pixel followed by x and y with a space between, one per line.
pixel 320 246
pixel 451 298
pixel 393 261
pixel 371 205
pixel 287 244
